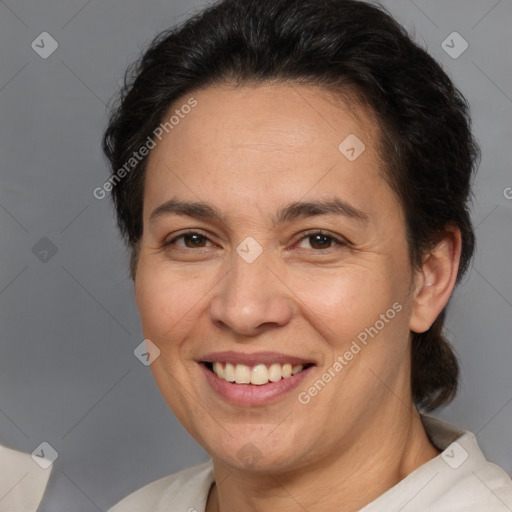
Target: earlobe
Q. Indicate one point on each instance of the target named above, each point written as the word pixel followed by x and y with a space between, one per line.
pixel 435 280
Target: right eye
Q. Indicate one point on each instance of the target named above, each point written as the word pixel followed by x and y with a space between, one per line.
pixel 190 240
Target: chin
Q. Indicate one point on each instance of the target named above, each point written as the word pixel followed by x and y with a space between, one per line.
pixel 252 448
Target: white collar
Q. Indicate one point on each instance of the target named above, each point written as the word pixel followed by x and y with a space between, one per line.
pixel 22 482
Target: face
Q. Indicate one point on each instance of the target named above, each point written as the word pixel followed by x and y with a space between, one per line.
pixel 268 249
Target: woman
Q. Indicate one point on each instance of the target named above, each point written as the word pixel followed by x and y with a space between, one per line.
pixel 292 178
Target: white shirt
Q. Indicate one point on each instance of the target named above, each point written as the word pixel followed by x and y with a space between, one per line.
pixel 22 481
pixel 460 479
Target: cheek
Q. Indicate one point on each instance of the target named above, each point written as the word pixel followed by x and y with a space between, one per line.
pixel 164 304
pixel 343 302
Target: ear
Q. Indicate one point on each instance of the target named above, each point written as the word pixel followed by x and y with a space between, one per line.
pixel 435 280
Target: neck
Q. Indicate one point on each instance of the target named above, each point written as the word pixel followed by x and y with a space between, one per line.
pixel 375 462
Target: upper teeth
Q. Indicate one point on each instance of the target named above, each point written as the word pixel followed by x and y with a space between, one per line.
pixel 258 375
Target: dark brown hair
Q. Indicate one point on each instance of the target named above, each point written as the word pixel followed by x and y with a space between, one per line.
pixel 341 45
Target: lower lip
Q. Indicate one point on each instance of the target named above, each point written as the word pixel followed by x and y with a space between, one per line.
pixel 250 394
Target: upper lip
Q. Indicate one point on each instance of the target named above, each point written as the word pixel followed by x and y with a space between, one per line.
pixel 253 358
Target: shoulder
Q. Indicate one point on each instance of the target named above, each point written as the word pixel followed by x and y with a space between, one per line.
pixel 482 486
pixel 187 489
pixel 460 479
pixel 22 482
pixel 463 479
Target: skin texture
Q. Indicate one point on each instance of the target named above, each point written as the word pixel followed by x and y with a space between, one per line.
pixel 248 152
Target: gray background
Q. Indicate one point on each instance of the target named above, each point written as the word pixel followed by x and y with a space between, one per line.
pixel 69 325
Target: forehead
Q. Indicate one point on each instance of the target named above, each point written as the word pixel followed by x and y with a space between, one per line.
pixel 279 115
pixel 251 140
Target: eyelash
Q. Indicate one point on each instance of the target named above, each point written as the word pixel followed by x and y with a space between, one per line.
pixel 338 242
pixel 182 235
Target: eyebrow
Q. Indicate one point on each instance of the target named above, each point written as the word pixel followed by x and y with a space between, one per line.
pixel 290 212
pixel 335 206
pixel 191 209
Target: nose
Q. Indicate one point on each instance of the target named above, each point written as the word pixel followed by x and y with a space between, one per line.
pixel 251 299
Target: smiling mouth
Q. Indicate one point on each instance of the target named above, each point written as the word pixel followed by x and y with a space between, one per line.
pixel 258 375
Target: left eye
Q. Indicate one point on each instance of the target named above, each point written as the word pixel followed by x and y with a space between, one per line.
pixel 318 241
pixel 315 241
